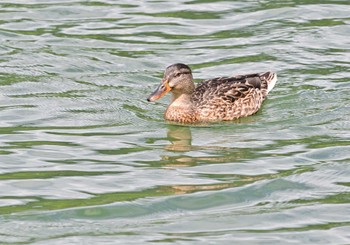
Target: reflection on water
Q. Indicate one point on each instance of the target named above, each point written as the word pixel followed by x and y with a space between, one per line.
pixel 84 158
pixel 180 138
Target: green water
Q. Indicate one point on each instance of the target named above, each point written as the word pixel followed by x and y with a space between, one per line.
pixel 85 159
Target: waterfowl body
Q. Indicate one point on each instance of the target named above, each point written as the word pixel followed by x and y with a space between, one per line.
pixel 217 99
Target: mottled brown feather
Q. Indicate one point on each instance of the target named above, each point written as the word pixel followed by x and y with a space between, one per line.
pixel 229 98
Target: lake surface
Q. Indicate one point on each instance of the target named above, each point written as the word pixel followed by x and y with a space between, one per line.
pixel 85 159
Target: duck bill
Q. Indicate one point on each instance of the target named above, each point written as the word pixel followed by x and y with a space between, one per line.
pixel 162 90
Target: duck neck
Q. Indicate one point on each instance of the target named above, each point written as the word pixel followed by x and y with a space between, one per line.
pixel 181 100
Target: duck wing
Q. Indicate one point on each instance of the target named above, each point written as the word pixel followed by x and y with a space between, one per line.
pixel 227 98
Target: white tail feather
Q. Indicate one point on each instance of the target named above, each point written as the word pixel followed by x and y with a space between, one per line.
pixel 271 81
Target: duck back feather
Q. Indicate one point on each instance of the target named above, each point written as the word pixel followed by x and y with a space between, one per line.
pixel 229 98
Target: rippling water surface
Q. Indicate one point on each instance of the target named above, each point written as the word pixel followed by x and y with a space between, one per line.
pixel 85 159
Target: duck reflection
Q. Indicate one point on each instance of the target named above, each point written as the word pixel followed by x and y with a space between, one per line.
pixel 180 138
pixel 180 148
pixel 180 153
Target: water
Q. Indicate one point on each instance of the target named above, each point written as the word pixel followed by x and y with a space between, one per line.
pixel 85 159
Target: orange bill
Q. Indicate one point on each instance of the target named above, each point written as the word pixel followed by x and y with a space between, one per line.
pixel 162 90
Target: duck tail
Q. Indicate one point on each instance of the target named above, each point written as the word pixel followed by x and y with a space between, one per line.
pixel 270 78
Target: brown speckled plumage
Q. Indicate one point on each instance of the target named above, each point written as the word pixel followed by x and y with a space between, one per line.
pixel 218 99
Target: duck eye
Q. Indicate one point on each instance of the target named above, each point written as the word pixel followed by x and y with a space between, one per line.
pixel 177 74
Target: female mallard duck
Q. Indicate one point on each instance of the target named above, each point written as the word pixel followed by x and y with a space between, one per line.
pixel 217 99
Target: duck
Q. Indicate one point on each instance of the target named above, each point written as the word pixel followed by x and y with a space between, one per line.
pixel 219 99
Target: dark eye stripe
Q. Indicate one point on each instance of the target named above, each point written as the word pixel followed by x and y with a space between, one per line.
pixel 180 73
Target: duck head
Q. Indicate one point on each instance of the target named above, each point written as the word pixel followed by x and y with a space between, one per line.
pixel 177 79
